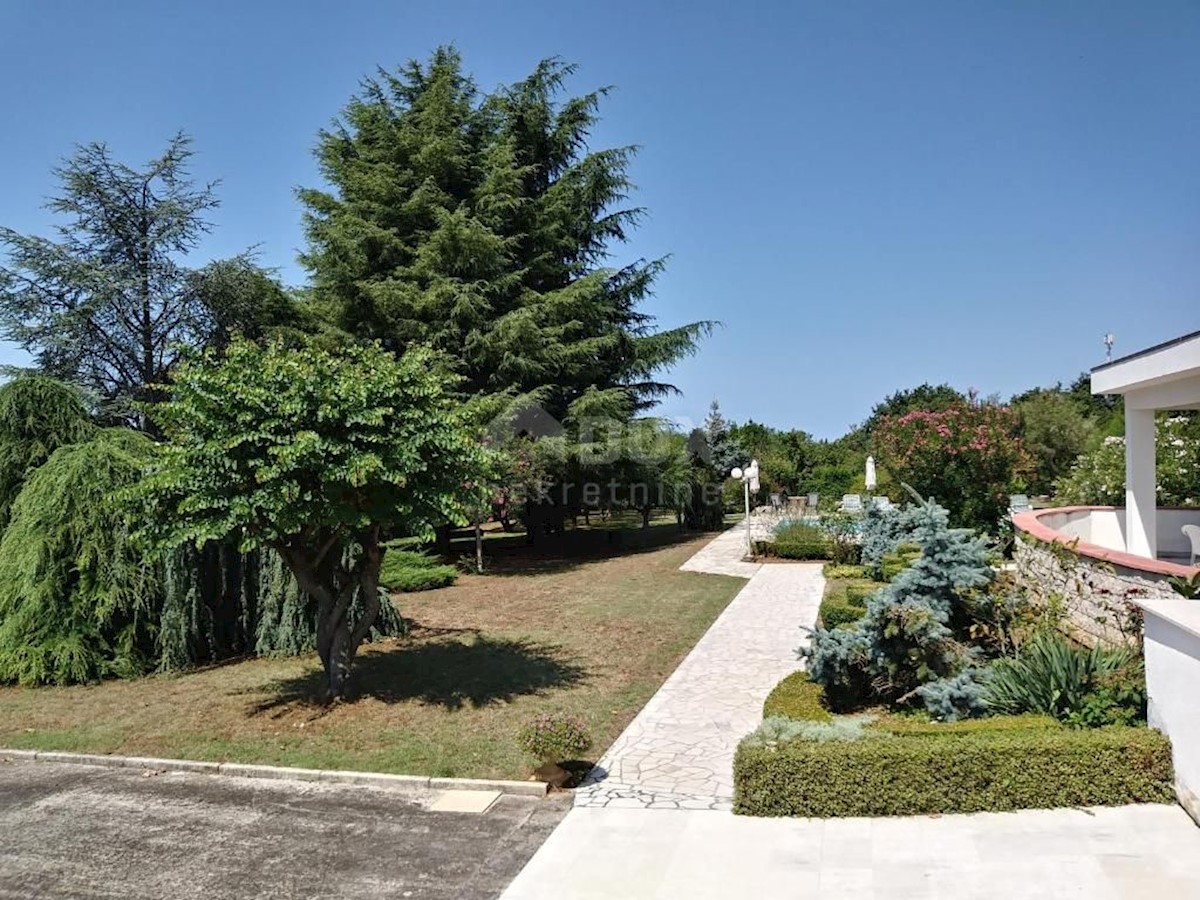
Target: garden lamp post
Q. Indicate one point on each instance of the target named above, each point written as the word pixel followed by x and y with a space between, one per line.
pixel 749 480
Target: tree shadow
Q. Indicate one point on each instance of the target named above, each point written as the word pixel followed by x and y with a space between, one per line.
pixel 577 547
pixel 448 673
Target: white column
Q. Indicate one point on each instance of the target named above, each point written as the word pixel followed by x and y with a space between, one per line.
pixel 1140 537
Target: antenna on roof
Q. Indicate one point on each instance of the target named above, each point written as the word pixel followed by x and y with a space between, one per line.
pixel 1109 340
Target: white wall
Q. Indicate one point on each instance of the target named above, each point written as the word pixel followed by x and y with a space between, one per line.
pixel 1106 528
pixel 1173 681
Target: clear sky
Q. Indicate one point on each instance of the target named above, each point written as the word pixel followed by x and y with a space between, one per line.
pixel 869 195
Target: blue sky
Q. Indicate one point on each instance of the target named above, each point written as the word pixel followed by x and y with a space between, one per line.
pixel 869 195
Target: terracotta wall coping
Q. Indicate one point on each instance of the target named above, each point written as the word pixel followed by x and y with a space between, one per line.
pixel 1029 523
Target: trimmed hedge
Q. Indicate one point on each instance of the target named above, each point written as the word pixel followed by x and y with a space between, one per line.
pixel 956 772
pixel 837 610
pixel 893 564
pixel 840 570
pixel 408 571
pixel 796 697
pixel 845 601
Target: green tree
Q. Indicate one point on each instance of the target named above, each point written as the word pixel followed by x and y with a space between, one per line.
pixel 37 416
pixel 481 225
pixel 927 397
pixel 724 451
pixel 109 304
pixel 78 600
pixel 315 454
pixel 1055 432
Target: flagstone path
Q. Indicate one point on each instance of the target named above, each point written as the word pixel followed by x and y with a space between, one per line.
pixel 678 752
pixel 677 756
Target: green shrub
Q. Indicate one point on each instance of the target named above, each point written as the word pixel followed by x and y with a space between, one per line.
pixel 839 570
pixel 553 737
pixel 1079 685
pixel 845 548
pixel 78 600
pixel 959 772
pixel 797 697
pixel 893 564
pixel 778 730
pixel 408 571
pixel 902 725
pixel 857 594
pixel 800 541
pixel 837 611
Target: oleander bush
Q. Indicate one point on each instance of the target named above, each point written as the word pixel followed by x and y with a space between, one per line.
pixel 797 697
pixel 980 769
pixel 408 571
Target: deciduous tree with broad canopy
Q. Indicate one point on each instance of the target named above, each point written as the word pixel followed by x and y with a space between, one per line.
pixel 317 454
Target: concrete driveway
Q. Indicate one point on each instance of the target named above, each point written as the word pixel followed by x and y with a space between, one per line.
pixel 77 831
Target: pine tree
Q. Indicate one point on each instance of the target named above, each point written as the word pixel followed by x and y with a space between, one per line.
pixel 110 303
pixel 481 225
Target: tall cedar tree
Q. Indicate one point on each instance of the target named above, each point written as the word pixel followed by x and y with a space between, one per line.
pixel 481 224
pixel 109 304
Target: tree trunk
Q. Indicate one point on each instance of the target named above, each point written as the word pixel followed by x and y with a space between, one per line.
pixel 478 548
pixel 341 657
pixel 322 575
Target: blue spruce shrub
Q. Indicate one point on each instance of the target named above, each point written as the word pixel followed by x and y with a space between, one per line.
pixel 961 696
pixel 883 530
pixel 909 634
pixel 838 660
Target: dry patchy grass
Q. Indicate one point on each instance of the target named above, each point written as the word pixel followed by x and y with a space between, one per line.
pixel 582 625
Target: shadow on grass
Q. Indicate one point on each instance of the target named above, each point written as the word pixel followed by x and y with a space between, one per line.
pixel 451 674
pixel 563 552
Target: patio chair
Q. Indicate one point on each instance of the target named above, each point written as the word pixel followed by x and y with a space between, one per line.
pixel 851 503
pixel 813 501
pixel 883 504
pixel 1192 532
pixel 776 502
pixel 1018 503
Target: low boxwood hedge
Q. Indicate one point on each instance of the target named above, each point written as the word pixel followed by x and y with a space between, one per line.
pixel 837 611
pixel 408 571
pixel 955 772
pixel 796 697
pixel 845 601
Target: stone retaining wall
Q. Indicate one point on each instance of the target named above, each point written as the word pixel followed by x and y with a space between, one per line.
pixel 1099 598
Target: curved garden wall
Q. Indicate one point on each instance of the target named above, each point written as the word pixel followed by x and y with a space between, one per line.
pixel 1070 555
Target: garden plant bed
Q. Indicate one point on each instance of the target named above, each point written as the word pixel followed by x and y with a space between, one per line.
pixel 908 765
pixel 581 623
pixel 990 767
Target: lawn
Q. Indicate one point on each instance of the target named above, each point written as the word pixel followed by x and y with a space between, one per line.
pixel 589 622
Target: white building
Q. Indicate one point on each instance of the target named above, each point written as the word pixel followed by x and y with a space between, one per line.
pixel 1164 377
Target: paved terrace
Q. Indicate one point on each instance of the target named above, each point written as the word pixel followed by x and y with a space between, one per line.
pixel 658 825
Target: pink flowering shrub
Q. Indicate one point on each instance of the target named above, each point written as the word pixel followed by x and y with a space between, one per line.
pixel 968 457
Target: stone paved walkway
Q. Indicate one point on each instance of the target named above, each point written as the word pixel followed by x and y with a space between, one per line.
pixel 678 752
